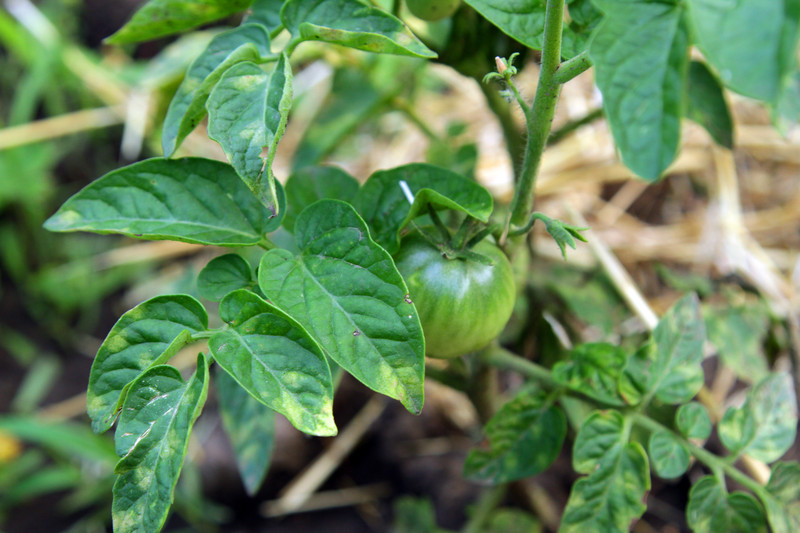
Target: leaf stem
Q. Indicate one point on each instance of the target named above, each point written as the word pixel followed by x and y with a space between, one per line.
pixel 715 463
pixel 572 68
pixel 402 105
pixel 488 501
pixel 277 31
pixel 559 134
pixel 540 118
pixel 511 132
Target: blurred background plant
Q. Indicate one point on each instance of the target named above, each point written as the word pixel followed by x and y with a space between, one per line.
pixel 722 223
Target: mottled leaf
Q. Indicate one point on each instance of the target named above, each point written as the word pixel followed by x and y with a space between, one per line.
pixel 346 291
pixel 766 425
pixel 712 510
pixel 593 369
pixel 250 426
pixel 152 437
pixel 692 421
pixel 782 498
pixel 675 374
pixel 149 334
pixel 269 354
pixel 738 333
pixel 187 109
pixel 247 112
pixel 387 210
pixel 640 54
pixel 191 200
pixel 669 456
pixel 306 186
pixel 601 436
pixel 351 23
pixel 707 105
pixel 525 437
pixel 611 496
pixel 158 18
pixel 222 275
pixel 741 40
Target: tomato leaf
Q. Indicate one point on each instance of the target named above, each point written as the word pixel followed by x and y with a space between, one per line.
pixel 640 53
pixel 679 337
pixel 611 496
pixel 188 107
pixel 782 497
pixel 152 438
pixel 692 421
pixel 306 186
pixel 669 456
pixel 765 426
pixel 593 369
pixel 387 210
pixel 250 426
pixel 269 354
pixel 707 106
pixel 669 367
pixel 525 438
pixel 523 20
pixel 600 436
pixel 741 40
pixel 265 12
pixel 191 200
pixel 346 291
pixel 738 333
pixel 351 23
pixel 712 509
pixel 158 18
pixel 247 112
pixel 147 335
pixel 222 275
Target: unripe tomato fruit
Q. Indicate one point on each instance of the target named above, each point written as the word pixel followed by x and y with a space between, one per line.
pixel 432 10
pixel 462 304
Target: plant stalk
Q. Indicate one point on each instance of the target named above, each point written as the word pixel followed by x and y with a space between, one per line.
pixel 540 118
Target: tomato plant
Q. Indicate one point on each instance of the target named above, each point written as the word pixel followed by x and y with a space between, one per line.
pixel 328 297
pixel 463 302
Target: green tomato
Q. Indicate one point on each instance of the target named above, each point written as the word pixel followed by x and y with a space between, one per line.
pixel 463 304
pixel 433 10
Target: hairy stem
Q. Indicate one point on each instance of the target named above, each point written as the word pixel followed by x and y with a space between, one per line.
pixel 540 118
pixel 572 68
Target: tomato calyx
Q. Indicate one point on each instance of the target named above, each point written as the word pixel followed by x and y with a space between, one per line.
pixel 459 245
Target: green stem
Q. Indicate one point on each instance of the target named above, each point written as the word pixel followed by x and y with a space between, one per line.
pixel 277 31
pixel 402 105
pixel 511 133
pixel 569 127
pixel 540 118
pixel 488 501
pixel 715 463
pixel 502 358
pixel 572 68
pixel 437 221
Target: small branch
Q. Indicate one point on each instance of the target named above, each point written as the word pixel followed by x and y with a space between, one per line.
pixel 569 127
pixel 511 133
pixel 402 105
pixel 572 68
pixel 488 501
